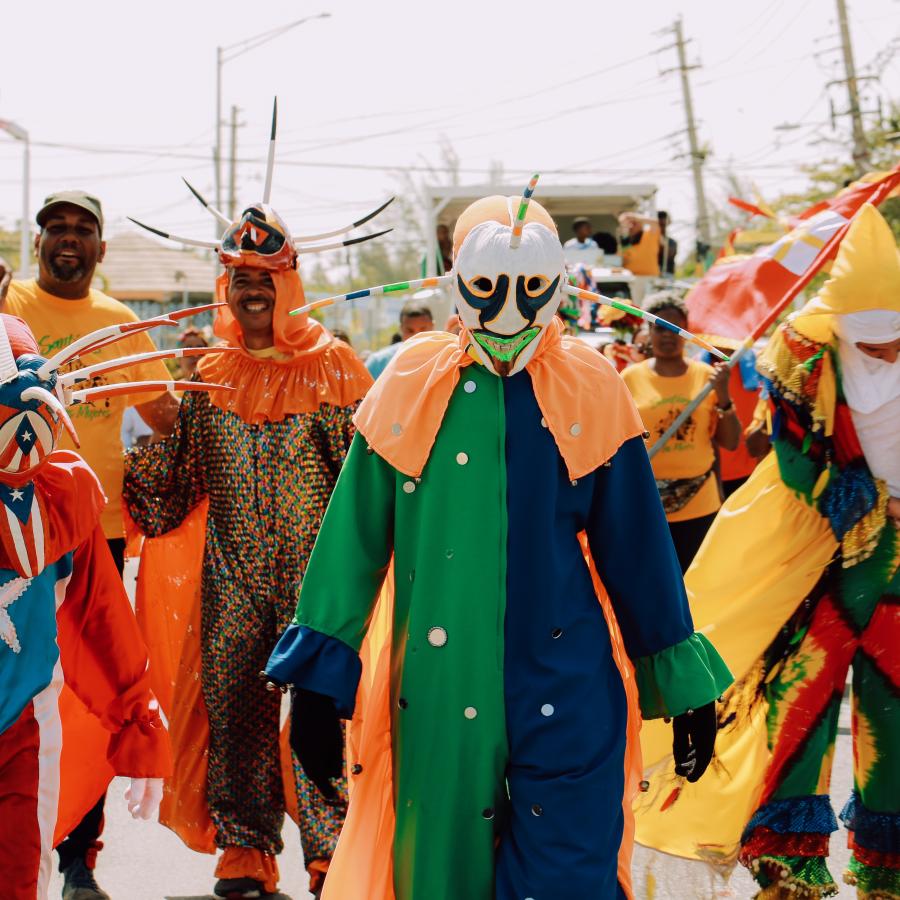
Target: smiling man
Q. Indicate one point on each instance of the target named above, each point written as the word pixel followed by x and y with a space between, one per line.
pixel 266 457
pixel 60 306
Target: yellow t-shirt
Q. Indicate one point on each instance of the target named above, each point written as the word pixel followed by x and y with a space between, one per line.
pixel 56 323
pixel 689 452
pixel 642 258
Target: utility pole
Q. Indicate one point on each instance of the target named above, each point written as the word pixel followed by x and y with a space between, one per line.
pixel 232 178
pixel 860 146
pixel 697 156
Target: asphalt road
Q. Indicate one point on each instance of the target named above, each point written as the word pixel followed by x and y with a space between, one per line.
pixel 144 861
pixel 676 879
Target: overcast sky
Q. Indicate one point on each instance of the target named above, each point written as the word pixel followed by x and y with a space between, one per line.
pixel 538 86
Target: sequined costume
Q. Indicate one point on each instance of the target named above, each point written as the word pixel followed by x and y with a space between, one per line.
pixel 798 581
pixel 242 484
pixel 268 486
pixel 489 743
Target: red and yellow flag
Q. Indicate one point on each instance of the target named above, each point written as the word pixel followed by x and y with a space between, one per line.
pixel 739 294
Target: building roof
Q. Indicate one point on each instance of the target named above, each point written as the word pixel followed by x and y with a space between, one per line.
pixel 143 268
pixel 560 200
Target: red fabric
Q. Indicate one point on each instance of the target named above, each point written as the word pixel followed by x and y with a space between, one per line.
pixel 738 293
pixel 20 838
pixel 739 463
pixel 765 842
pixel 873 858
pixel 71 500
pixel 104 662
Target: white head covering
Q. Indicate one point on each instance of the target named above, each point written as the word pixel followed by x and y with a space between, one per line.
pixel 868 383
pixel 872 389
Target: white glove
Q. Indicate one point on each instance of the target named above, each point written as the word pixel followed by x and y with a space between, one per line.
pixel 143 796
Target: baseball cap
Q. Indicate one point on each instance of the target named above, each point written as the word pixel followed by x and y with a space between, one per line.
pixel 76 198
pixel 580 220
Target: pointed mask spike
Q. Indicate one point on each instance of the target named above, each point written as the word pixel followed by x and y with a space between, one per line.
pixel 190 242
pixel 270 162
pixel 319 248
pixel 96 339
pixel 573 291
pixel 44 396
pixel 8 368
pixel 124 361
pixel 519 222
pixel 216 214
pixel 140 387
pixel 395 288
pixel 306 238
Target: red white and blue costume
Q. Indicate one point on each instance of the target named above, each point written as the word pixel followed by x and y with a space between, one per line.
pixel 68 637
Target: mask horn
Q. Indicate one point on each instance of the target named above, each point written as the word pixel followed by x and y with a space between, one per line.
pixel 189 242
pixel 336 245
pixel 396 287
pixel 270 162
pixel 122 362
pixel 104 391
pixel 111 333
pixel 306 238
pixel 590 296
pixel 519 222
pixel 44 396
pixel 8 368
pixel 215 213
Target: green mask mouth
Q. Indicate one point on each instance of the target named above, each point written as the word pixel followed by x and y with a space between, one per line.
pixel 505 348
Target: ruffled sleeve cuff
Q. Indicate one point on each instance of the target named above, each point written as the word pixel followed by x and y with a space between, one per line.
pixel 685 676
pixel 140 748
pixel 319 663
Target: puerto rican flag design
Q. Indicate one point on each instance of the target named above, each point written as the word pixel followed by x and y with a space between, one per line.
pixel 22 527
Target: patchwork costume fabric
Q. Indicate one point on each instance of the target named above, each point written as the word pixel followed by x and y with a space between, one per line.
pixel 473 592
pixel 816 598
pixel 230 505
pixel 72 663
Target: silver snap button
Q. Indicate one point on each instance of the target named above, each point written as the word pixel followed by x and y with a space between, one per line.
pixel 575 430
pixel 437 636
pixel 470 712
pixel 396 428
pixel 543 422
pixel 409 486
pixel 469 387
pixel 462 458
pixel 547 709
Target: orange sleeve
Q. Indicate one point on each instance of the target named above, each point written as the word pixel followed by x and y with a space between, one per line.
pixel 104 662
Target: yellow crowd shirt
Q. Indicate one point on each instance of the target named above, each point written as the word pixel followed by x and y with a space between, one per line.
pixel 642 258
pixel 56 323
pixel 689 452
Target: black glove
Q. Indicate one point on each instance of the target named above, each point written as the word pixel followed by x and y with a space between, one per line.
pixel 693 741
pixel 317 739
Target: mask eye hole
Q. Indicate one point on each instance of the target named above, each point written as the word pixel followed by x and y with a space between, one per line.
pixel 536 284
pixel 481 284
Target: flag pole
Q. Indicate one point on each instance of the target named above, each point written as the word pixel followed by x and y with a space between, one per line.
pixel 878 196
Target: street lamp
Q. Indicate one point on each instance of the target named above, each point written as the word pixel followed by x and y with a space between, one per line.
pixel 226 54
pixel 20 134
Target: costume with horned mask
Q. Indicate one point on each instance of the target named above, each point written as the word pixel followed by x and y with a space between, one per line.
pixel 231 504
pixel 498 486
pixel 67 630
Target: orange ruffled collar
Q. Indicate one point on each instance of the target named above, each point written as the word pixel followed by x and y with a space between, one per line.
pixel 585 403
pixel 310 367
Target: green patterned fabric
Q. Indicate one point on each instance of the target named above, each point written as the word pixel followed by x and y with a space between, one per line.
pixel 685 676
